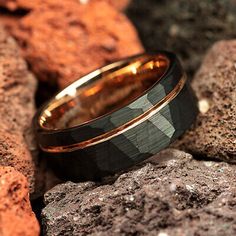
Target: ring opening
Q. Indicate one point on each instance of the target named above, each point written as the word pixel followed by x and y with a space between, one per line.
pixel 103 91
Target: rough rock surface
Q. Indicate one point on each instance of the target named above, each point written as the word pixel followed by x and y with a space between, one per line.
pixel 17 142
pixel 214 134
pixel 12 10
pixel 186 27
pixel 59 51
pixel 13 5
pixel 121 4
pixel 8 21
pixel 16 216
pixel 170 194
pixel 17 86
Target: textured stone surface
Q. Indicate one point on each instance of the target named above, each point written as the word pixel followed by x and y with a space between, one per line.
pixel 214 134
pixel 186 27
pixel 16 216
pixel 17 142
pixel 14 5
pixel 61 50
pixel 172 193
pixel 14 152
pixel 9 21
pixel 12 10
pixel 121 4
pixel 17 88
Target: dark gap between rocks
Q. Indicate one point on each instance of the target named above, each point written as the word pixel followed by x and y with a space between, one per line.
pixel 37 206
pixel 44 92
pixel 16 13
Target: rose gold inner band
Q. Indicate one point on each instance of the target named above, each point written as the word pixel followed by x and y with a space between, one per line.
pixel 103 91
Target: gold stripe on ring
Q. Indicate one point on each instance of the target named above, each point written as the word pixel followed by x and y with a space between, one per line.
pixel 123 128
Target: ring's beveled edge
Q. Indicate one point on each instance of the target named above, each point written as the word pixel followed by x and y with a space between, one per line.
pixel 115 119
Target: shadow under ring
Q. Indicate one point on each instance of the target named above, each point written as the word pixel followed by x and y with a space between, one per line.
pixel 116 116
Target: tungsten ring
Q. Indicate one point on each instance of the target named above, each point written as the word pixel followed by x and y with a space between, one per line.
pixel 116 116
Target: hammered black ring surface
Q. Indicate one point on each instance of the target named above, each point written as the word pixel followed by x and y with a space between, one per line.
pixel 116 116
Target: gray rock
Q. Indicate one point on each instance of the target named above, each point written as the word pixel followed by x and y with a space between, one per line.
pixel 171 194
pixel 187 27
pixel 214 133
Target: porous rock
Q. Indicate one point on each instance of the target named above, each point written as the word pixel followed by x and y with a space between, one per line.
pixel 186 27
pixel 170 194
pixel 9 21
pixel 120 5
pixel 17 87
pixel 214 133
pixel 60 51
pixel 16 216
pixel 14 5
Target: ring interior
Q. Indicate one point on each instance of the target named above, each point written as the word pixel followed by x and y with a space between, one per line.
pixel 103 91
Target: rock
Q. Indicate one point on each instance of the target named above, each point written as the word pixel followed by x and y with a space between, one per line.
pixel 17 142
pixel 14 152
pixel 17 87
pixel 13 5
pixel 120 5
pixel 16 216
pixel 184 26
pixel 214 134
pixel 9 21
pixel 170 194
pixel 60 51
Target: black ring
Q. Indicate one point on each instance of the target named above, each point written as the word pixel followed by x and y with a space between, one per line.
pixel 130 133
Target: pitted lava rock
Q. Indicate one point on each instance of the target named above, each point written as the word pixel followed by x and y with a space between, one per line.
pixel 185 27
pixel 60 46
pixel 214 134
pixel 16 216
pixel 9 21
pixel 121 4
pixel 13 5
pixel 170 194
pixel 17 87
pixel 14 152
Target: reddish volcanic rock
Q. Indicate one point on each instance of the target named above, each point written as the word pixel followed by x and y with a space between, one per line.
pixel 14 152
pixel 60 46
pixel 17 86
pixel 121 4
pixel 214 134
pixel 17 142
pixel 13 5
pixel 16 216
pixel 9 21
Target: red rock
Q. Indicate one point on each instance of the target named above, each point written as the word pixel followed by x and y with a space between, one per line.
pixel 17 87
pixel 13 5
pixel 121 4
pixel 214 134
pixel 16 216
pixel 17 141
pixel 9 21
pixel 60 46
pixel 14 152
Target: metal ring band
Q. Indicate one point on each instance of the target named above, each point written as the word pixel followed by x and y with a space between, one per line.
pixel 144 126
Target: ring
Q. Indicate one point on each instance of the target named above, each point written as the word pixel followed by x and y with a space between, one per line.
pixel 116 116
